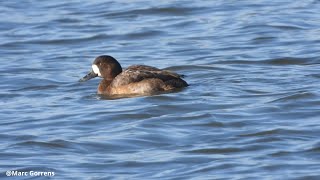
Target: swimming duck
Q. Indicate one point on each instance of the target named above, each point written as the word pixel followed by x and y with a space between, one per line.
pixel 136 79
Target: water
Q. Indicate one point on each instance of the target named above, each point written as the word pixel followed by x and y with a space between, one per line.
pixel 251 110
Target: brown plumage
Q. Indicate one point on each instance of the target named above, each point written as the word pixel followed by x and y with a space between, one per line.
pixel 136 79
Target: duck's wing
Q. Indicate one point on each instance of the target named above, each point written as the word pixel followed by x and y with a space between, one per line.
pixel 137 73
pixel 150 68
pixel 143 68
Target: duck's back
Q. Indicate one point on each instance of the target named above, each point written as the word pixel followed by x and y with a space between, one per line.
pixel 138 79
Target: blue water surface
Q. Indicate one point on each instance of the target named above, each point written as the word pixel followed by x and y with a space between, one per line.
pixel 251 110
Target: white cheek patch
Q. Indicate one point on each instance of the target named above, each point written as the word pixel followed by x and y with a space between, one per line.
pixel 96 69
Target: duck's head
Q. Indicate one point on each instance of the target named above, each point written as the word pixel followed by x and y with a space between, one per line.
pixel 103 66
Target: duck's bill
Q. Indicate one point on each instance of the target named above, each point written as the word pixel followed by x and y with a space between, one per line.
pixel 90 75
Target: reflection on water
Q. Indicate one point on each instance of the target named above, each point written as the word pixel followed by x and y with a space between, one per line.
pixel 251 110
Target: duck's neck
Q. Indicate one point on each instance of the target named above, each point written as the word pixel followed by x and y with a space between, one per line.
pixel 103 86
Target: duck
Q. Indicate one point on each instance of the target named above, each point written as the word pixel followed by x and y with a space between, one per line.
pixel 134 80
